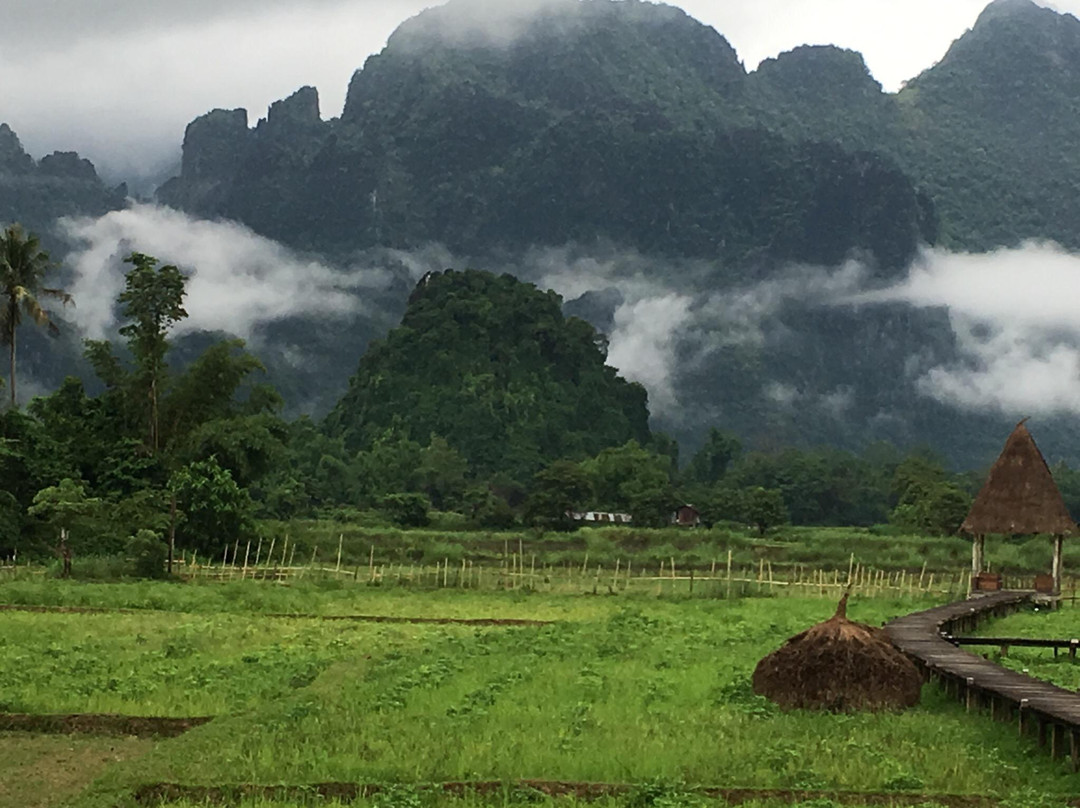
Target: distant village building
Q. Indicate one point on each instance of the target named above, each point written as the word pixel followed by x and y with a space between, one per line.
pixel 599 517
pixel 686 516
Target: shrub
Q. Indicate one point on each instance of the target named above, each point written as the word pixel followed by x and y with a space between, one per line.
pixel 407 510
pixel 149 554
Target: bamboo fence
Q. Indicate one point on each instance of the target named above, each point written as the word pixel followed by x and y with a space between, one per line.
pixel 518 571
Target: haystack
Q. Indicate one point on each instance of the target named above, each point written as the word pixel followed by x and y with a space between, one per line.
pixel 840 666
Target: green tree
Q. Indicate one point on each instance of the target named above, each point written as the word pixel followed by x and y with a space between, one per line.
pixel 149 554
pixel 712 460
pixel 487 510
pixel 64 506
pixel 23 265
pixel 152 300
pixel 408 509
pixel 724 503
pixel 442 473
pixel 11 519
pixel 765 508
pixel 915 477
pixel 214 511
pixel 559 489
pixel 626 474
pixel 936 509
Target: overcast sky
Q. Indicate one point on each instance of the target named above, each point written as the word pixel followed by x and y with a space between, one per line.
pixel 118 80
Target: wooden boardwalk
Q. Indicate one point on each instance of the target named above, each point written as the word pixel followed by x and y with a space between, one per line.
pixel 1051 712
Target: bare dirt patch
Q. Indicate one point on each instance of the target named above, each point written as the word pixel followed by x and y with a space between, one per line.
pixel 42 771
pixel 98 724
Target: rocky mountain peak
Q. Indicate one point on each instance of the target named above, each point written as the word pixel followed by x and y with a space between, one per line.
pixel 13 159
pixel 299 111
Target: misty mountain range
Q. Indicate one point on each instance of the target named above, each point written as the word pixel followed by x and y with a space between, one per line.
pixel 745 239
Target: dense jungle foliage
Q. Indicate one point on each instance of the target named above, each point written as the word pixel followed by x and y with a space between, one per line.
pixel 491 365
pixel 486 402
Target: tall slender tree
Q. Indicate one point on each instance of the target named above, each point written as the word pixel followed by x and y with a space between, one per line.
pixel 23 265
pixel 153 300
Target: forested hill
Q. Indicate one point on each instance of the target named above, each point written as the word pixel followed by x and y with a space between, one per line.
pixel 622 122
pixel 490 364
pixel 633 123
pixel 991 132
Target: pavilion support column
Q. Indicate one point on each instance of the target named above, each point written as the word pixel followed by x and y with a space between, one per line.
pixel 1059 541
pixel 978 545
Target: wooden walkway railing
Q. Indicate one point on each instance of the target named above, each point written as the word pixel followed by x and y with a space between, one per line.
pixel 1035 705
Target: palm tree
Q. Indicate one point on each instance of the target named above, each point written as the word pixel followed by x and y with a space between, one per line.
pixel 23 264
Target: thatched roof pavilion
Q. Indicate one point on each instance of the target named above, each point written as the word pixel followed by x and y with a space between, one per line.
pixel 1019 497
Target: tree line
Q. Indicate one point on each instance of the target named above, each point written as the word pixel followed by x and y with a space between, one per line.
pixel 152 456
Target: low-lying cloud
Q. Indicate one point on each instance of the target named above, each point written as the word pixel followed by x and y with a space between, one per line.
pixel 1013 314
pixel 665 327
pixel 1015 319
pixel 1015 331
pixel 238 280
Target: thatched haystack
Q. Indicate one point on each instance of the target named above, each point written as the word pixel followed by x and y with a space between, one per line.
pixel 840 666
pixel 1020 496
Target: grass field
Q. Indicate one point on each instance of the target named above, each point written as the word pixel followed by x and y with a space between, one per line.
pixel 1063 624
pixel 641 690
pixel 161 664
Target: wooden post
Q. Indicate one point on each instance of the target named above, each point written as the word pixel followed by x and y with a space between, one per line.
pixel 969 694
pixel 976 556
pixel 246 552
pixel 729 574
pixel 1074 749
pixel 1057 741
pixel 1058 542
pixel 340 539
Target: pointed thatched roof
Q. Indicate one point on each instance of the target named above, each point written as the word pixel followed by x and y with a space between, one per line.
pixel 1020 495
